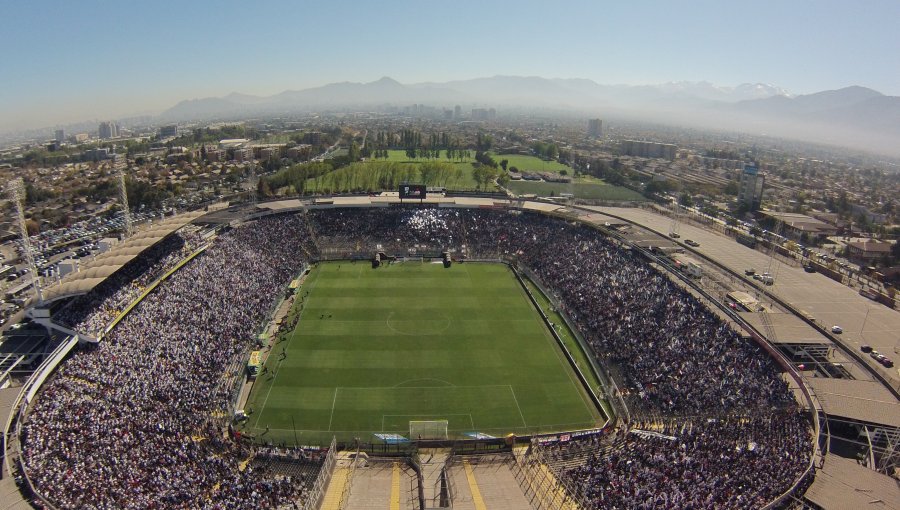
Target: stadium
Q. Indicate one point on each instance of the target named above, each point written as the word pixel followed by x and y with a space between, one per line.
pixel 267 357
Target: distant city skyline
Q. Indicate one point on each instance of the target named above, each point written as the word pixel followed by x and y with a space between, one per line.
pixel 66 62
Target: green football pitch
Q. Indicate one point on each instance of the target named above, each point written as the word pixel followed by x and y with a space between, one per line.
pixel 377 348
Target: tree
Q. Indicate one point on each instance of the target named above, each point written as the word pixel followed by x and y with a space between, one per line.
pixel 615 177
pixel 504 163
pixel 731 188
pixel 552 151
pixel 353 154
pixel 32 227
pixel 686 200
pixel 483 142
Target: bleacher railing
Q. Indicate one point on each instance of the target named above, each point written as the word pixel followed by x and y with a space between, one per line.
pixel 542 488
pixel 317 493
pixel 19 411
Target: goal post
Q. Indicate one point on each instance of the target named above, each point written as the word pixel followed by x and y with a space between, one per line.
pixel 428 429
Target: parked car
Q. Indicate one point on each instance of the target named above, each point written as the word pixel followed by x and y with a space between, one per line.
pixel 865 348
pixel 750 271
pixel 674 235
pixel 691 242
pixel 837 330
pixel 809 269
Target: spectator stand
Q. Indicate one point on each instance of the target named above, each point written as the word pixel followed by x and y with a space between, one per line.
pixel 12 429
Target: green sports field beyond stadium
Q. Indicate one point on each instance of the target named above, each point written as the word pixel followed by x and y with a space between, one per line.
pixel 377 348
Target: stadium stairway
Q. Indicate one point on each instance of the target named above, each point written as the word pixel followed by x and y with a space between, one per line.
pixel 380 484
pixel 432 462
pixel 539 483
pixel 338 490
pixel 486 482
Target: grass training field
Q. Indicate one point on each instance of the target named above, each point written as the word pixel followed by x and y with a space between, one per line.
pixel 378 348
pixel 532 163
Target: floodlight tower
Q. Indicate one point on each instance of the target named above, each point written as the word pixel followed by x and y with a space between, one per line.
pixel 16 190
pixel 123 198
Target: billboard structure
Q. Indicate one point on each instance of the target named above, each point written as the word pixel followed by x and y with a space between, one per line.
pixel 412 191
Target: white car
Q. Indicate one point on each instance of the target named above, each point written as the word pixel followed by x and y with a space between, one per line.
pixel 837 330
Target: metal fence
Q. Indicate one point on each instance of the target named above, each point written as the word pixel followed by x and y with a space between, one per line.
pixel 320 486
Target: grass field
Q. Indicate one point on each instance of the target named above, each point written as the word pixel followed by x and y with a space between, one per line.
pixel 589 190
pixel 532 163
pixel 378 348
pixel 370 175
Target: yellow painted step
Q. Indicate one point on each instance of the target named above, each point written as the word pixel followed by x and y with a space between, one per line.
pixel 473 487
pixel 332 499
pixel 395 487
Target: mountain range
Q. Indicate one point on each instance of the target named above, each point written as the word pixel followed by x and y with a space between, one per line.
pixel 853 116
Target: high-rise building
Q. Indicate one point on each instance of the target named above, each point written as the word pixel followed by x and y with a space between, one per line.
pixel 457 112
pixel 168 131
pixel 751 188
pixel 595 127
pixel 60 136
pixel 108 130
pixel 484 114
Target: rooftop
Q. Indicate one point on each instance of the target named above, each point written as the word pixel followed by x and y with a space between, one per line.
pixel 864 401
pixel 842 483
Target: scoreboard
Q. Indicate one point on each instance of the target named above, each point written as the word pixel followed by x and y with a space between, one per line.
pixel 414 191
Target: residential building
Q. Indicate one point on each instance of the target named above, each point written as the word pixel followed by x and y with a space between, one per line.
pixel 751 188
pixel 595 128
pixel 298 151
pixel 868 251
pixel 96 154
pixel 169 131
pixel 269 152
pixel 643 149
pixel 243 155
pixel 60 136
pixel 801 227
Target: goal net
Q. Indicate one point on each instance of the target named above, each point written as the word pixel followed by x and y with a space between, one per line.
pixel 431 429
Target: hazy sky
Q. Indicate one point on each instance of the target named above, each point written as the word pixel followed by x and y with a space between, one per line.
pixel 65 61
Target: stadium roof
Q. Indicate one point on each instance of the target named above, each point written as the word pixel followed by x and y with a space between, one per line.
pixel 842 483
pixel 864 401
pixel 102 266
pixel 789 329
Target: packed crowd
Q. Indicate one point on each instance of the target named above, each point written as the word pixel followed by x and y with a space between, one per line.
pixel 362 232
pixel 91 312
pixel 712 465
pixel 678 359
pixel 677 356
pixel 129 423
pixel 134 410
